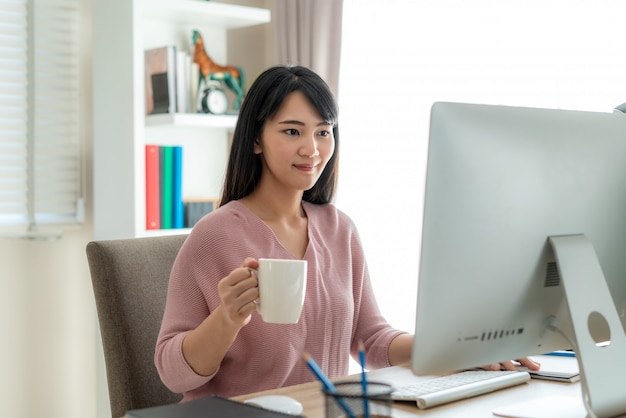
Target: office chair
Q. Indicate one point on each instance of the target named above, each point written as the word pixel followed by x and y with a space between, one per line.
pixel 130 279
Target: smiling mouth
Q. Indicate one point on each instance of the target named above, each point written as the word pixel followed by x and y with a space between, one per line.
pixel 305 167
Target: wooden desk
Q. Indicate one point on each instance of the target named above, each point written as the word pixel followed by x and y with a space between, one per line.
pixel 311 397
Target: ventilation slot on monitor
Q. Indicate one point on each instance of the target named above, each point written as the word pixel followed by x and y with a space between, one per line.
pixel 552 275
pixel 499 334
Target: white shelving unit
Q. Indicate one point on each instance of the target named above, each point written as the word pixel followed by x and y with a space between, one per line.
pixel 225 16
pixel 123 30
pixel 190 119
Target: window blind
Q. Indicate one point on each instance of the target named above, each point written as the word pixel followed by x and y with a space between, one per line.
pixel 40 156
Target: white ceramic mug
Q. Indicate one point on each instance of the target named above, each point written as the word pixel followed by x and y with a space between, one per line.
pixel 282 286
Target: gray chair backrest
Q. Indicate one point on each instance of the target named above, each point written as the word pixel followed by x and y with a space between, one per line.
pixel 130 279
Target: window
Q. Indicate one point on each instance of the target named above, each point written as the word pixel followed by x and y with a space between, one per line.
pixel 400 56
pixel 40 158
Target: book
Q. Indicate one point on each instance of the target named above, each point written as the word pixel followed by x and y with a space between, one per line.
pixel 164 187
pixel 194 81
pixel 166 160
pixel 182 79
pixel 160 80
pixel 207 407
pixel 153 209
pixel 195 210
pixel 160 93
pixel 178 219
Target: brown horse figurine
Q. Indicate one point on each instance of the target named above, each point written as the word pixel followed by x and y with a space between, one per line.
pixel 232 76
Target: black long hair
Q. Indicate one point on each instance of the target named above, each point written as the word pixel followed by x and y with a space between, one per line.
pixel 261 103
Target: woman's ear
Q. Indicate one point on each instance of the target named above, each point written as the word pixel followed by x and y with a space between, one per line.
pixel 257 146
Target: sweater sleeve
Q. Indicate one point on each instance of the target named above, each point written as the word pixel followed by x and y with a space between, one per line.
pixel 184 311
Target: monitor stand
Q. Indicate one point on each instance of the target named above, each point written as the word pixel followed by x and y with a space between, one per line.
pixel 602 365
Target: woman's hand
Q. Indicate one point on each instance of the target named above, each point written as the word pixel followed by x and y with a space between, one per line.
pixel 238 293
pixel 204 348
pixel 512 365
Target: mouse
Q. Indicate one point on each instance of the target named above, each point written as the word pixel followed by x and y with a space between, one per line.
pixel 279 403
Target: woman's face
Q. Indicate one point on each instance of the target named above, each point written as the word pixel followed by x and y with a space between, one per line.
pixel 295 144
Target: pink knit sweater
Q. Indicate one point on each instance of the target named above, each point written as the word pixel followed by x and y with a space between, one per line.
pixel 339 309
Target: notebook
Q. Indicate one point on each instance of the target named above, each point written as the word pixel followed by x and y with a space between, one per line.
pixel 560 368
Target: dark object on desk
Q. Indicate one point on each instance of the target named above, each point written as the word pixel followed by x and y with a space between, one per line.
pixel 130 278
pixel 208 407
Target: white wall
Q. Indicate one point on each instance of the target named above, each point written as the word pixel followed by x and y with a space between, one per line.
pixel 400 56
pixel 47 313
pixel 48 329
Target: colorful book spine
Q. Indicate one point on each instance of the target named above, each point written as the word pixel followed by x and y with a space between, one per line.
pixel 153 195
pixel 164 187
pixel 167 167
pixel 178 211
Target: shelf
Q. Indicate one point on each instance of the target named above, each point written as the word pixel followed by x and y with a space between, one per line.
pixel 120 210
pixel 192 119
pixel 163 232
pixel 219 15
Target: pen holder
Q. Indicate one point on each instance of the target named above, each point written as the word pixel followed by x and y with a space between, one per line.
pixel 377 402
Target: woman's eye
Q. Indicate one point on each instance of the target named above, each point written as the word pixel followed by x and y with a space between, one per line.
pixel 291 131
pixel 325 133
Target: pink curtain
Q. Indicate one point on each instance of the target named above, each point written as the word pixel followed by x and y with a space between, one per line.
pixel 308 33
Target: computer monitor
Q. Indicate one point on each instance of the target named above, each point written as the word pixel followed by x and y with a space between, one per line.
pixel 524 210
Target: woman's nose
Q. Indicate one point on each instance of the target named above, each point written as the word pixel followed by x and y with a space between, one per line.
pixel 309 147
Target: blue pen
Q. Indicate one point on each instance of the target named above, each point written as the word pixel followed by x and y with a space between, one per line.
pixel 328 385
pixel 562 353
pixel 366 401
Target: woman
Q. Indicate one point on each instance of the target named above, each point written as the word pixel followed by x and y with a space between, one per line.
pixel 280 180
pixel 276 203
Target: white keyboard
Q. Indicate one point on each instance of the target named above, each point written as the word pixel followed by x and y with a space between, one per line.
pixel 457 386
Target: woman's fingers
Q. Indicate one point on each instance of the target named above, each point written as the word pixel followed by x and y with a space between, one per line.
pixel 512 365
pixel 238 291
pixel 529 363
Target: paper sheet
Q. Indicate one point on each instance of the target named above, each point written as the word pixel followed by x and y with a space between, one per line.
pixel 544 407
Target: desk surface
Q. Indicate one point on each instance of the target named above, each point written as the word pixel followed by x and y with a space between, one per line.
pixel 310 395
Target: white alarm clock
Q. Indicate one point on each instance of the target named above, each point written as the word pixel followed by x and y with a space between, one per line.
pixel 214 100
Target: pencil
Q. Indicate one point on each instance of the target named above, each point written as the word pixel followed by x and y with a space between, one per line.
pixel 366 401
pixel 562 353
pixel 328 385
